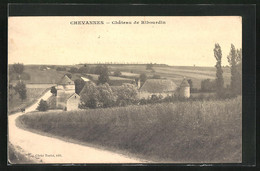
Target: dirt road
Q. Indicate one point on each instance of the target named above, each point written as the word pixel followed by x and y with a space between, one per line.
pixel 44 149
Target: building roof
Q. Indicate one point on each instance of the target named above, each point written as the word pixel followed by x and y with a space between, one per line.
pixel 63 97
pixel 158 86
pixel 184 83
pixel 74 94
pixel 65 80
pixel 85 79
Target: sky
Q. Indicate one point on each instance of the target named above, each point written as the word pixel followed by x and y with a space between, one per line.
pixel 181 41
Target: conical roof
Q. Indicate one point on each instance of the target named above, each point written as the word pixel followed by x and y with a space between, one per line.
pixel 65 80
pixel 184 83
pixel 158 86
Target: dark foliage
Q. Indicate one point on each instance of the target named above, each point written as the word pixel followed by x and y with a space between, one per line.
pixel 103 75
pixel 117 73
pixel 235 61
pixel 83 70
pixel 143 77
pixel 43 106
pixel 73 70
pixel 149 66
pixel 54 90
pixel 219 71
pixel 20 88
pixel 18 68
pixel 208 85
pixel 60 69
pixel 79 84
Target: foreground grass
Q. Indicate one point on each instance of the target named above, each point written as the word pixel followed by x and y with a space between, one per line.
pixel 15 157
pixel 198 131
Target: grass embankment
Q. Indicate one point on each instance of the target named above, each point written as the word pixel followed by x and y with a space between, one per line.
pixel 193 131
pixel 16 104
pixel 15 157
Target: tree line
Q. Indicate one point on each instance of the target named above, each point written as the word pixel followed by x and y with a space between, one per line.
pixel 235 62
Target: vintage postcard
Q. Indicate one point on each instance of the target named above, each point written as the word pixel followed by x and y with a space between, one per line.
pixel 124 89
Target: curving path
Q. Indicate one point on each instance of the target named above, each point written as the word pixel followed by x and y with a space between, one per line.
pixel 42 149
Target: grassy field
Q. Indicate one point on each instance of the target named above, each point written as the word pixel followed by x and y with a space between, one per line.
pixel 16 103
pixel 191 131
pixel 42 76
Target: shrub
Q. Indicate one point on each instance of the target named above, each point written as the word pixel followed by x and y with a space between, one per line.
pixel 208 85
pixel 43 105
pixel 117 73
pixel 79 84
pixel 54 90
pixel 60 69
pixel 83 70
pixel 89 96
pixel 126 92
pixel 73 70
pixel 21 89
pixel 106 97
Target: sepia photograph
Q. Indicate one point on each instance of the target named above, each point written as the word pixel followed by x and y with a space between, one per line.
pixel 124 89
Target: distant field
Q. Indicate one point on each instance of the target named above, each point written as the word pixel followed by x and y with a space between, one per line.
pixel 40 76
pixel 192 131
pixel 177 73
pixel 95 77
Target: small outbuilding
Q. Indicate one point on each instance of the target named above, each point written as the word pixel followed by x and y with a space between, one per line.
pixel 73 102
pixel 184 89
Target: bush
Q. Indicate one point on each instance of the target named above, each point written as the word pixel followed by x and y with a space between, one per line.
pixel 60 69
pixel 21 89
pixel 54 90
pixel 73 70
pixel 83 70
pixel 208 85
pixel 43 106
pixel 117 73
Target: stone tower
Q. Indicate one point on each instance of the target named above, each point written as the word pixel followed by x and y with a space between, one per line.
pixel 184 90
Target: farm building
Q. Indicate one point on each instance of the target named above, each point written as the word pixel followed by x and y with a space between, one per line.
pixel 163 88
pixel 73 102
pixel 65 90
pixel 158 87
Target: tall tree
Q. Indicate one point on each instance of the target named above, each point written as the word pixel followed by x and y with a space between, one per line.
pixel 219 71
pixel 20 88
pixel 79 84
pixel 89 95
pixel 18 68
pixel 143 77
pixel 103 75
pixel 235 62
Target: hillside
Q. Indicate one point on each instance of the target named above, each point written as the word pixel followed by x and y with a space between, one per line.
pixel 191 131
